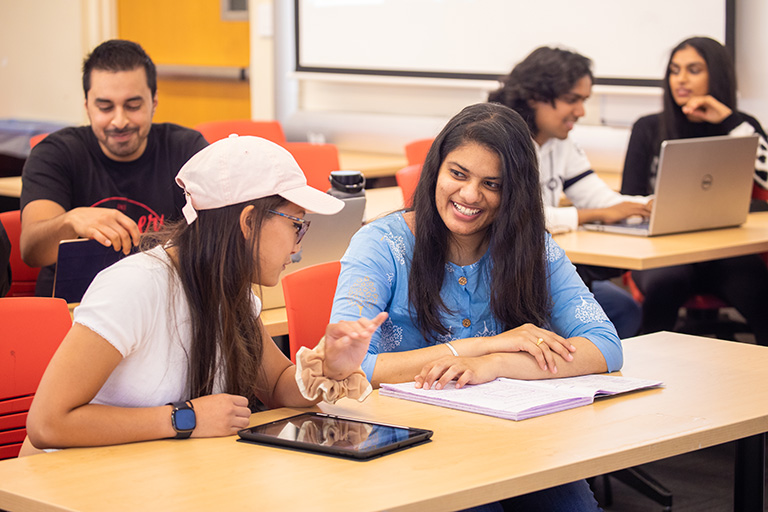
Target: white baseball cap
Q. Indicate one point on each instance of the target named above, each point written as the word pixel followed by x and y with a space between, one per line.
pixel 244 168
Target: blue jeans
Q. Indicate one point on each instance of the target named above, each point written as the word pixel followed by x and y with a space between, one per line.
pixel 573 497
pixel 623 311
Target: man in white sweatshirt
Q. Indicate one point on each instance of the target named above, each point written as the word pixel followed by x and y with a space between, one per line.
pixel 548 89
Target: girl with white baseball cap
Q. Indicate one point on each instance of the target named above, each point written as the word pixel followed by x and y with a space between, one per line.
pixel 169 343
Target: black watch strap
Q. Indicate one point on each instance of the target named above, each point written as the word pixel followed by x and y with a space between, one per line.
pixel 183 418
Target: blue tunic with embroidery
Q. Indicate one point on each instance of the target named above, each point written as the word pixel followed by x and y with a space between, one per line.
pixel 374 278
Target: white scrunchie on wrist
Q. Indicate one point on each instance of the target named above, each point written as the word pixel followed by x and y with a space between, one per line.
pixel 313 384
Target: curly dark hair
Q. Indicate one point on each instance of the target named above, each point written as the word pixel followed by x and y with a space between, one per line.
pixel 544 75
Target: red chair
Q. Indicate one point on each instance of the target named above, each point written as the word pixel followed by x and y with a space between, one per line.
pixel 217 130
pixel 416 151
pixel 759 192
pixel 316 160
pixel 24 277
pixel 33 328
pixel 308 300
pixel 36 138
pixel 407 178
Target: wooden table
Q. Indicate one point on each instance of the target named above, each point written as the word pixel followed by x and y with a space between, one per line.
pixel 372 165
pixel 640 253
pixel 714 392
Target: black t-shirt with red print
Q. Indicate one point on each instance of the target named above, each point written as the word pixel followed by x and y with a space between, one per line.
pixel 69 168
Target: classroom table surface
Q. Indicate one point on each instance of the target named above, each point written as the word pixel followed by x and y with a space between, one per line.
pixel 712 394
pixel 640 252
pixel 372 165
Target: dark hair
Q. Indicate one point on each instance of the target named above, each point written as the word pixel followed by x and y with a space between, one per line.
pixel 519 290
pixel 119 55
pixel 216 268
pixel 722 84
pixel 544 75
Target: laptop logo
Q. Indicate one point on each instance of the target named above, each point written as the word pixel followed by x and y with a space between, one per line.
pixel 706 182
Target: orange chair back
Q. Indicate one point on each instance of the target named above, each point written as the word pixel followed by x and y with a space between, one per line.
pixel 308 300
pixel 316 160
pixel 24 277
pixel 407 178
pixel 416 151
pixel 33 328
pixel 217 130
pixel 33 140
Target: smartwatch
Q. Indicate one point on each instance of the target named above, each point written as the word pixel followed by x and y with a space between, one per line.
pixel 183 419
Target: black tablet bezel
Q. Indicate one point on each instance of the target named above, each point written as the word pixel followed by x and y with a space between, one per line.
pixel 415 436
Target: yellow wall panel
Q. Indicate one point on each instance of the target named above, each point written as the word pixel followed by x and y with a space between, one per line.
pixel 190 33
pixel 189 102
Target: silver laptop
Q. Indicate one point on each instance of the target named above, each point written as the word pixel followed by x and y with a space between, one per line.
pixel 702 183
pixel 327 240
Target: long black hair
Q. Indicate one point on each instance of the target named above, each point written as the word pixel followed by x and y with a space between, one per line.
pixel 216 266
pixel 722 84
pixel 519 287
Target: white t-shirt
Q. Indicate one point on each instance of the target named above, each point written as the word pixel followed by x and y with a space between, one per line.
pixel 139 307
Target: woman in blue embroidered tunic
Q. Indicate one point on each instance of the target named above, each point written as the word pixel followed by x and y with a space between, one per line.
pixel 472 267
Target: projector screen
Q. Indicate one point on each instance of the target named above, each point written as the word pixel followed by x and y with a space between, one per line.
pixel 628 40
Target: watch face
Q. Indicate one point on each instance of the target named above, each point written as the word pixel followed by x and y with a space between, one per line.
pixel 184 419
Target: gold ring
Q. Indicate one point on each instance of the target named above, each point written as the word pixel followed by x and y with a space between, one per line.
pixel 539 341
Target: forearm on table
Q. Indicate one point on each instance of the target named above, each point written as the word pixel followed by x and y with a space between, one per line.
pixel 587 359
pixel 394 367
pixel 100 425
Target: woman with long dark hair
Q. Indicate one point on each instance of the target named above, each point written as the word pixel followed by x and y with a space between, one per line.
pixel 699 101
pixel 474 286
pixel 471 266
pixel 169 343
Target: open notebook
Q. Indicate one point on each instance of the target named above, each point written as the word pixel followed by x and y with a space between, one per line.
pixel 514 399
pixel 702 183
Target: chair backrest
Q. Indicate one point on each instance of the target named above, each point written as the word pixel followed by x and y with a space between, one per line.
pixel 24 277
pixel 407 178
pixel 33 140
pixel 759 192
pixel 308 300
pixel 316 160
pixel 33 328
pixel 416 151
pixel 217 130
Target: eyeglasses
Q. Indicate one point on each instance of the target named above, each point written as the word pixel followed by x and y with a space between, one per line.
pixel 301 225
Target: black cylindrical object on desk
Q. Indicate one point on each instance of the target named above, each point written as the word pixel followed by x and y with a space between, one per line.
pixel 346 184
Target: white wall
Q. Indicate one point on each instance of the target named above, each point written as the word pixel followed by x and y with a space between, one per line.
pixel 381 114
pixel 42 46
pixel 752 57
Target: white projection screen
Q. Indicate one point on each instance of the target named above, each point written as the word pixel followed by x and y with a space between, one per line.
pixel 628 40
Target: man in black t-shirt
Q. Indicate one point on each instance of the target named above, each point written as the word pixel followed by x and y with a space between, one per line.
pixel 109 181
